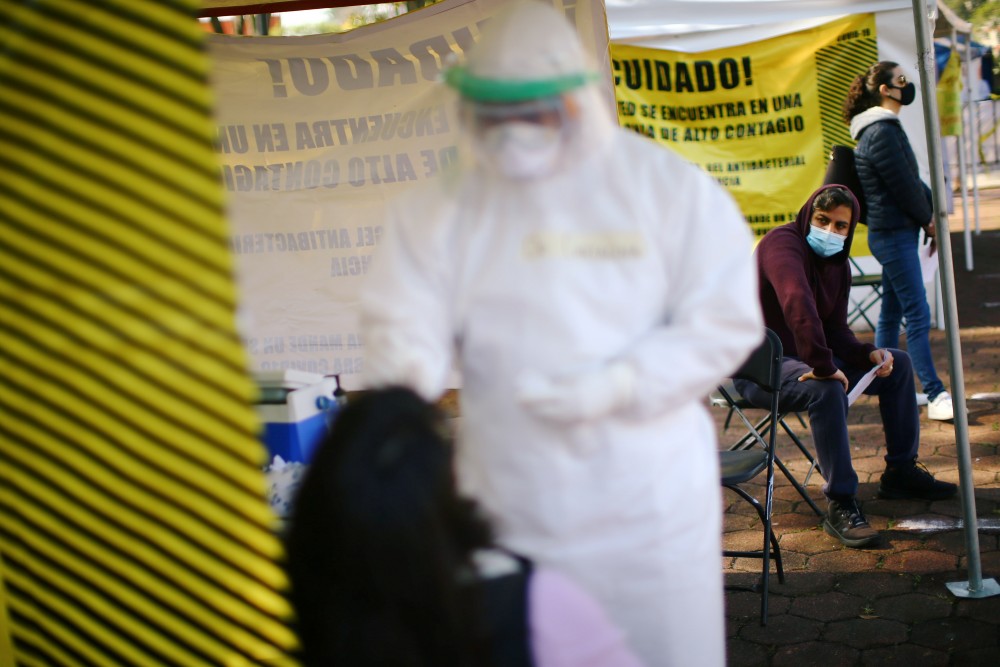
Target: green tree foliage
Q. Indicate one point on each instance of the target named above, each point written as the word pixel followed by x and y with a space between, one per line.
pixel 977 12
pixel 413 5
pixel 336 20
pixel 963 8
pixel 984 15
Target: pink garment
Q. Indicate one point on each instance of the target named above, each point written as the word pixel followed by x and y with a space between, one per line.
pixel 569 628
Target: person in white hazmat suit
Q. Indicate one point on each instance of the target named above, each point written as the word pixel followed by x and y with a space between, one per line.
pixel 593 288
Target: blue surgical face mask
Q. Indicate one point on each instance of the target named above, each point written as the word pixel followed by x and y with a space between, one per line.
pixel 824 243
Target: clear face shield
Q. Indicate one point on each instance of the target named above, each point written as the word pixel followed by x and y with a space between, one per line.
pixel 520 128
pixel 521 140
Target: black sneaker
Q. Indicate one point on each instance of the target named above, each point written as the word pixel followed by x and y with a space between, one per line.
pixel 913 480
pixel 845 521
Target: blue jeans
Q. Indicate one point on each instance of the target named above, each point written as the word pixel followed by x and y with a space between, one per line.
pixel 825 401
pixel 905 300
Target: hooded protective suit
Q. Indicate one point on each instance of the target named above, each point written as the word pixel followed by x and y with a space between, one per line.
pixel 590 308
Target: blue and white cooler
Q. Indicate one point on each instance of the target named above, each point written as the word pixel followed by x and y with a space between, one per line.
pixel 296 408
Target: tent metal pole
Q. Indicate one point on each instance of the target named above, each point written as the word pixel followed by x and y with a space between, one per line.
pixel 973 130
pixel 975 587
pixel 963 161
pixel 996 139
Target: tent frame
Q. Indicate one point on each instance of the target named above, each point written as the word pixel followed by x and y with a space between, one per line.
pixel 975 587
pixel 210 9
pixel 949 26
pixel 924 11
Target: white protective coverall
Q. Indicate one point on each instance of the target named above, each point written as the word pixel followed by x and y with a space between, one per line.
pixel 625 256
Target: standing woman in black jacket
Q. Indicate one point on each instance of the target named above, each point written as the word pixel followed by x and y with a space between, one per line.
pixel 899 205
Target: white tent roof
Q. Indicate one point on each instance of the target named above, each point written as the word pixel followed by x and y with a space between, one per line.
pixel 645 20
pixel 632 18
pixel 699 25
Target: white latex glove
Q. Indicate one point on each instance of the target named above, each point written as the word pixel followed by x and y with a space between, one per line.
pixel 578 398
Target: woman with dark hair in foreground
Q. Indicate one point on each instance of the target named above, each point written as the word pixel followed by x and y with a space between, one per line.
pixel 390 566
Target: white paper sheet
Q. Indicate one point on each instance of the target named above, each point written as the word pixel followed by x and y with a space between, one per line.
pixel 928 260
pixel 863 383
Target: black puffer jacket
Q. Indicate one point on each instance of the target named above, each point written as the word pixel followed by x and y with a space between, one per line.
pixel 887 168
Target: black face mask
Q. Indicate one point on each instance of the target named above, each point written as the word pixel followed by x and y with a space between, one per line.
pixel 907 94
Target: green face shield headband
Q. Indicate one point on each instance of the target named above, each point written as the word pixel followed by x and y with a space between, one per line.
pixel 506 90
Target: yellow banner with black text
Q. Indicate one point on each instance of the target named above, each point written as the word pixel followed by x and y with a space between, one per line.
pixel 760 117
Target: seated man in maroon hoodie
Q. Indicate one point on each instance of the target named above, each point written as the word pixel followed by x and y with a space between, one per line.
pixel 804 284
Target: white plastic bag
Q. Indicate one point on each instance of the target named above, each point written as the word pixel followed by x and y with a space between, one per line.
pixel 928 259
pixel 283 480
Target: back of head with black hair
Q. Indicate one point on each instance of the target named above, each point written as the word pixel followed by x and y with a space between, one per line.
pixel 863 94
pixel 378 539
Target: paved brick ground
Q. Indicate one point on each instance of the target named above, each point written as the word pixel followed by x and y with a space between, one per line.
pixel 889 605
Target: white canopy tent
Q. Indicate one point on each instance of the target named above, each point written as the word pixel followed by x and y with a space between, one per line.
pixel 976 586
pixel 700 25
pixel 904 36
pixel 647 20
pixel 949 27
pixel 904 31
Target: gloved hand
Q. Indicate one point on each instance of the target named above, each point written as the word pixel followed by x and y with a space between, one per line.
pixel 578 398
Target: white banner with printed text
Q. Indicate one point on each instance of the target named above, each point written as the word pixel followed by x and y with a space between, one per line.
pixel 315 135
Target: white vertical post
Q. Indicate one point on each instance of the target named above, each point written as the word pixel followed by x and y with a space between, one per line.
pixel 975 587
pixel 972 129
pixel 962 179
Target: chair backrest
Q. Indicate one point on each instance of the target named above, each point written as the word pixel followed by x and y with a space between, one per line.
pixel 763 366
pixel 744 461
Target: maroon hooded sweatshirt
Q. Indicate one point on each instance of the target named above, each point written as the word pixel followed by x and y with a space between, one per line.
pixel 804 297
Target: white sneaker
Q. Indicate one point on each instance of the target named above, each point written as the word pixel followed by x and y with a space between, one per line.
pixel 941 408
pixel 921 399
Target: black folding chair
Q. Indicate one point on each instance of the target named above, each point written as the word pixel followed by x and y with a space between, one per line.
pixel 726 396
pixel 859 307
pixel 741 464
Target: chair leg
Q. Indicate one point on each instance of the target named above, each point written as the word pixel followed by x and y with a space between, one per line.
pixel 762 427
pixel 776 556
pixel 813 467
pixel 861 308
pixel 765 580
pixel 770 549
pixel 729 418
pixel 798 487
pixel 813 463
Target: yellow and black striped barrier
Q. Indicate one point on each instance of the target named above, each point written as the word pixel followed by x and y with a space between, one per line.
pixel 133 522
